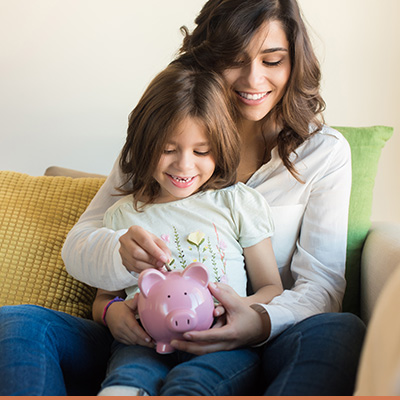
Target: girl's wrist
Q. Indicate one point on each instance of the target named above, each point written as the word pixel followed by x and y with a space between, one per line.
pixel 115 299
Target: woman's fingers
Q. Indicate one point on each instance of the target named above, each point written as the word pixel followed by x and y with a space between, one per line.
pixel 200 348
pixel 243 326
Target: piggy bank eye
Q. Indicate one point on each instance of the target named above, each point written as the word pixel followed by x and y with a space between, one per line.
pixel 169 296
pixel 185 293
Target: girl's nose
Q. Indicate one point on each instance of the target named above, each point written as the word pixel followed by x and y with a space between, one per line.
pixel 184 161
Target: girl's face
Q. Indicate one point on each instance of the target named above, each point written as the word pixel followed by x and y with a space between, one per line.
pixel 260 84
pixel 187 162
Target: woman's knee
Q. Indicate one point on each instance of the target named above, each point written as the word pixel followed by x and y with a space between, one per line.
pixel 20 320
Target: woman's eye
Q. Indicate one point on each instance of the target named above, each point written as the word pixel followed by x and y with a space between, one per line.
pixel 202 153
pixel 273 63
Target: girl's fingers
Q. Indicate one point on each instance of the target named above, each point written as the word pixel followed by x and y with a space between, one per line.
pixel 141 250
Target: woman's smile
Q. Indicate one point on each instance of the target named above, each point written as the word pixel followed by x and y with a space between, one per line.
pixel 263 71
pixel 252 98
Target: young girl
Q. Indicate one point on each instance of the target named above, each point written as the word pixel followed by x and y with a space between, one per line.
pixel 181 156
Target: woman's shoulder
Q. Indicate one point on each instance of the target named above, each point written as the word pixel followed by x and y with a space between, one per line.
pixel 327 143
pixel 330 137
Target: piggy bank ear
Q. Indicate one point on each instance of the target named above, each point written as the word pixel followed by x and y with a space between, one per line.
pixel 198 272
pixel 148 278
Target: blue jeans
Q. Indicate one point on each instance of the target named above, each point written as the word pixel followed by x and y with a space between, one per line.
pixel 317 357
pixel 222 373
pixel 45 352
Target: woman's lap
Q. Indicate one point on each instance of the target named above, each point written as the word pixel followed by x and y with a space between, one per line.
pixel 40 349
pixel 318 356
pixel 45 352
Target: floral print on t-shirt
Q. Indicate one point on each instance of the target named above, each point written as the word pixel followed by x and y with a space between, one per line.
pixel 197 247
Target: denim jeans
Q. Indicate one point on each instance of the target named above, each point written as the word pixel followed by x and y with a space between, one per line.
pixel 317 357
pixel 45 352
pixel 221 373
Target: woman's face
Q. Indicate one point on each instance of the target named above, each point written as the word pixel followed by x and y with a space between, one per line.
pixel 260 83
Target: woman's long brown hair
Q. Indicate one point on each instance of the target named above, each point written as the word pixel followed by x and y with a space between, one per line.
pixel 224 30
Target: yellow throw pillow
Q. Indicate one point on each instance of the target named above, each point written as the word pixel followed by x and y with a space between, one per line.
pixel 36 213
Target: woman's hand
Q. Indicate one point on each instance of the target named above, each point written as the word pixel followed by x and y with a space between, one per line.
pixel 243 327
pixel 124 326
pixel 141 250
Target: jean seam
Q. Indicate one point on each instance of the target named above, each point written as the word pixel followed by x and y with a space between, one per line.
pixel 45 339
pixel 295 358
pixel 222 383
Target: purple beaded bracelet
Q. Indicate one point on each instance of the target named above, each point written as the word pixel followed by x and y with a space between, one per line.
pixel 108 305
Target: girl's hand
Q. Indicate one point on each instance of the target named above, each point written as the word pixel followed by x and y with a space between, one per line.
pixel 141 250
pixel 124 326
pixel 244 326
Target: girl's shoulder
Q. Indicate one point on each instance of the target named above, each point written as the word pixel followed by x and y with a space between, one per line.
pixel 241 194
pixel 122 203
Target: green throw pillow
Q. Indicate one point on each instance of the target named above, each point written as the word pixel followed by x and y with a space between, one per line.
pixel 366 145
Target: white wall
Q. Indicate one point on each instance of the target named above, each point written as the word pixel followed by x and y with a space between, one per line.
pixel 72 70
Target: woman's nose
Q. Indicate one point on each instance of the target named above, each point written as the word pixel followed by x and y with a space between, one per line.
pixel 253 74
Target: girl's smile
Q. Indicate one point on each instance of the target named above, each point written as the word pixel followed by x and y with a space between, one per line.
pixel 180 181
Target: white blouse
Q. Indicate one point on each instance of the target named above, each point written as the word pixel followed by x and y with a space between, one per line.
pixel 310 230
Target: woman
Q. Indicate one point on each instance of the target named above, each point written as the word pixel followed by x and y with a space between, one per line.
pixel 299 165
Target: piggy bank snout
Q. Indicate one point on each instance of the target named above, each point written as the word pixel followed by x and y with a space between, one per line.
pixel 182 320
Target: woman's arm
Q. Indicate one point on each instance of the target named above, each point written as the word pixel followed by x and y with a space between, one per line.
pixel 93 254
pixel 317 265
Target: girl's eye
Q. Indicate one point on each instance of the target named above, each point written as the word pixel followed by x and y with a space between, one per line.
pixel 168 151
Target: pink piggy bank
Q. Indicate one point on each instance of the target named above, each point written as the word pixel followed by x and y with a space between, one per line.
pixel 171 303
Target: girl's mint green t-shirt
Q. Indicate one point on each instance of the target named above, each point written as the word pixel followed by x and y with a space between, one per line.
pixel 212 227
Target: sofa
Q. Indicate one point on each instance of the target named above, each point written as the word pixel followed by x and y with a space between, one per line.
pixel 36 213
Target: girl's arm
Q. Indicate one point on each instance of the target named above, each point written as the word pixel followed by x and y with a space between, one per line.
pixel 263 273
pixel 120 318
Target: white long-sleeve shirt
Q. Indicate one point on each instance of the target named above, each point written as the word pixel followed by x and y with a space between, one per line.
pixel 310 230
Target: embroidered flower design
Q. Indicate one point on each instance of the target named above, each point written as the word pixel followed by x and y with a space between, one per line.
pixel 165 238
pixel 221 247
pixel 196 238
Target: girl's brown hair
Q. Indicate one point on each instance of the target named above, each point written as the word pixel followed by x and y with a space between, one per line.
pixel 177 93
pixel 224 30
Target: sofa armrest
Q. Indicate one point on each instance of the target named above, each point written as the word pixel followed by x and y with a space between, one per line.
pixel 71 173
pixel 380 257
